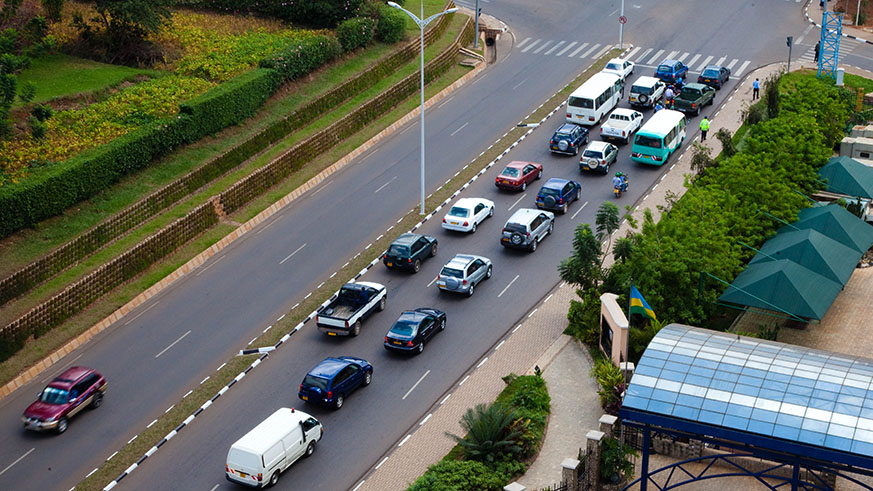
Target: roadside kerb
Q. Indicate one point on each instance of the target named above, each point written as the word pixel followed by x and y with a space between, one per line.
pixel 809 19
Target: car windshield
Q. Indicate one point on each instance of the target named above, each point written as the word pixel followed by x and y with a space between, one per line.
pixel 549 192
pixel 639 89
pixel 398 250
pixel 313 381
pixel 592 153
pixel 613 66
pixel 454 273
pixel 403 328
pixel 459 211
pixel 510 172
pixel 54 395
pixel 581 102
pixel 665 69
pixel 514 227
pixel 647 141
pixel 710 72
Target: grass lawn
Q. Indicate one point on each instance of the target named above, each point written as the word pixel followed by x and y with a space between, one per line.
pixel 60 75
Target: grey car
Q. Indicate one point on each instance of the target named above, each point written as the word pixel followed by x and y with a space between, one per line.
pixel 463 273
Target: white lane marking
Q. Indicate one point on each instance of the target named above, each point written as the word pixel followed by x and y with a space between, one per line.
pixel 518 84
pixel 603 51
pixel 519 45
pixel 517 201
pixel 537 51
pixel 645 53
pixel 147 309
pixel 684 55
pixel 17 460
pixel 132 439
pixel 188 393
pixel 516 328
pixel 445 399
pixel 721 60
pixel 462 381
pixel 213 263
pixel 507 286
pixel 532 313
pixel 217 369
pixel 214 487
pixel 585 54
pixel 482 362
pixel 577 211
pixel 404 440
pixel 383 461
pixel 732 63
pixel 531 45
pixel 499 345
pixel 705 62
pixel 432 281
pixel 613 13
pixel 547 298
pixel 387 183
pixel 633 52
pixel 655 58
pixel 445 102
pixel 289 255
pixel 265 227
pixel 425 419
pixel 90 473
pixel 328 182
pixel 280 317
pixel 690 63
pixel 580 48
pixel 741 68
pixel 569 46
pixel 672 55
pixel 457 130
pixel 173 343
pixel 113 455
pixel 61 370
pixel 415 385
pixel 147 427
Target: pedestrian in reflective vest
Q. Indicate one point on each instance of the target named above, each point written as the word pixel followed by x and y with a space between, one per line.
pixel 704 127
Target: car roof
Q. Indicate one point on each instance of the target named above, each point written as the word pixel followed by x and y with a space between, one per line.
pixel 713 67
pixel 645 79
pixel 556 183
pixel 70 376
pixel 616 60
pixel 406 239
pixel 462 260
pixel 329 367
pixel 467 202
pixel 518 164
pixel 525 214
pixel 596 145
pixel 412 315
pixel 622 110
pixel 567 127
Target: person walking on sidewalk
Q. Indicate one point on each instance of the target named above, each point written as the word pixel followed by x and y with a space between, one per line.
pixel 817 50
pixel 704 127
pixel 755 87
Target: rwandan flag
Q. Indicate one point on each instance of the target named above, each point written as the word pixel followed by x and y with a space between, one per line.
pixel 638 304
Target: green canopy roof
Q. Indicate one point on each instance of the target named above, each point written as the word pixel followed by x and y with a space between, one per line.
pixel 783 286
pixel 835 222
pixel 848 176
pixel 812 250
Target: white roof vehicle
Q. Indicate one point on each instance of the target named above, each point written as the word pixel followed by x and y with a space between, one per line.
pixel 621 125
pixel 467 213
pixel 620 67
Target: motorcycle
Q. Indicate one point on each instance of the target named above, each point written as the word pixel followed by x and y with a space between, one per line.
pixel 617 190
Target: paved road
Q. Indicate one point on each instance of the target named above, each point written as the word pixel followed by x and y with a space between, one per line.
pixel 207 317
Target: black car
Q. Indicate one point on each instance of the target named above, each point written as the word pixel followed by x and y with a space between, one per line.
pixel 413 328
pixel 409 250
pixel 714 76
pixel 329 382
pixel 557 194
pixel 568 139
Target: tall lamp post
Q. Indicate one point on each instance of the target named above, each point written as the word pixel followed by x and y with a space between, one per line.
pixel 421 25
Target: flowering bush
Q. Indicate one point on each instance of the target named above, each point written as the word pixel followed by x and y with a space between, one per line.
pixel 355 33
pixel 305 56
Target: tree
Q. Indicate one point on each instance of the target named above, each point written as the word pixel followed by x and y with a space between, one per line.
pixel 123 26
pixel 583 267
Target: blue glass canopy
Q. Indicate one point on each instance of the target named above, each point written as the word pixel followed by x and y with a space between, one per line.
pixel 714 380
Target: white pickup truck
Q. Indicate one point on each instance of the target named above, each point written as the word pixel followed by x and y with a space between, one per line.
pixel 355 301
pixel 621 125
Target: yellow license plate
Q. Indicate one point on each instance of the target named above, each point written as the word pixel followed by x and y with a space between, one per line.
pixel 331 334
pixel 242 474
pixel 397 342
pixel 390 264
pixel 305 398
pixel 454 222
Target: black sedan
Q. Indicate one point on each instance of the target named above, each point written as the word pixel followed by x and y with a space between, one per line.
pixel 413 328
pixel 714 76
pixel 568 139
pixel 409 250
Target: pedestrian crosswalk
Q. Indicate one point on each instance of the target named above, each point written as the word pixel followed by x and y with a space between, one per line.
pixel 847 46
pixel 646 57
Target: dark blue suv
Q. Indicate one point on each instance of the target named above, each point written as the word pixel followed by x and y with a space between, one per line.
pixel 333 379
pixel 557 194
pixel 569 138
pixel 671 71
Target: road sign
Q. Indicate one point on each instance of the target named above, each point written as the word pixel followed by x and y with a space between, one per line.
pixel 622 20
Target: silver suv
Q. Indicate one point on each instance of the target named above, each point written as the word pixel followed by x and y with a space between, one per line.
pixel 463 273
pixel 526 228
pixel 646 91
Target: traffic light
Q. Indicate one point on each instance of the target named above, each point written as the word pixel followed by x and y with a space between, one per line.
pixel 789 40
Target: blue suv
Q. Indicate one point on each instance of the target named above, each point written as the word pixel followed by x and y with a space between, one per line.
pixel 671 71
pixel 557 194
pixel 568 139
pixel 333 379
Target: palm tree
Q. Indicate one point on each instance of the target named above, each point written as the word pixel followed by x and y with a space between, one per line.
pixel 490 432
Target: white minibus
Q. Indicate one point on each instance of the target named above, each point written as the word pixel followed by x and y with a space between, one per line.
pixel 589 103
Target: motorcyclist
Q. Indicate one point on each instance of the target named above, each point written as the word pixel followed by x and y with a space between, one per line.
pixel 669 94
pixel 623 181
pixel 658 106
pixel 619 181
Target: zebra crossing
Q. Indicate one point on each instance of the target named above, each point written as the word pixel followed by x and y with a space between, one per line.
pixel 645 57
pixel 847 46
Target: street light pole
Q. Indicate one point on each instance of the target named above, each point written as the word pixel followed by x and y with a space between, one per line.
pixel 421 25
pixel 476 39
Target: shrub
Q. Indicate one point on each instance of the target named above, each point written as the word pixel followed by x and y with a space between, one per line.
pixel 355 33
pixel 612 384
pixel 458 475
pixel 615 463
pixel 491 433
pixel 391 24
pixel 305 56
pixel 53 9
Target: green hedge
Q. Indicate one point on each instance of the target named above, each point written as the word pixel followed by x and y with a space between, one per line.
pixel 391 24
pixel 231 102
pixel 355 33
pixel 306 56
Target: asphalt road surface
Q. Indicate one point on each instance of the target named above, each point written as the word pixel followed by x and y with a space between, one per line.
pixel 182 335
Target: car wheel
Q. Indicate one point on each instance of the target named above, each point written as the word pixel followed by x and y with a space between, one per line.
pixel 274 479
pixel 488 273
pixel 551 226
pixel 491 212
pixel 442 325
pixel 97 401
pixel 524 186
pixel 368 377
pixel 338 402
pixel 539 174
pixel 62 425
pixel 310 449
pixel 382 304
pixel 564 209
pixel 420 348
pixel 473 230
pixel 433 249
pixel 356 328
pixel 533 245
pixel 605 169
pixel 697 112
pixel 470 291
pixel 416 266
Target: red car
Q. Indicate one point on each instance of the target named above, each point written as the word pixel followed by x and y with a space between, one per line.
pixel 518 174
pixel 66 395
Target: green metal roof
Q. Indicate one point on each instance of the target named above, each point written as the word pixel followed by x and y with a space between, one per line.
pixel 812 250
pixel 835 222
pixel 848 176
pixel 783 286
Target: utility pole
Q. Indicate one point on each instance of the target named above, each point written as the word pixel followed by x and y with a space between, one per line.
pixel 789 41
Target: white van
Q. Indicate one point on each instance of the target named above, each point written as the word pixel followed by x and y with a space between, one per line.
pixel 589 103
pixel 271 447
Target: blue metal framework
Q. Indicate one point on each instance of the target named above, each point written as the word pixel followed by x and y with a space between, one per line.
pixel 831 32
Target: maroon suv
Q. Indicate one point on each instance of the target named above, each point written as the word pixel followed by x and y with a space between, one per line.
pixel 66 395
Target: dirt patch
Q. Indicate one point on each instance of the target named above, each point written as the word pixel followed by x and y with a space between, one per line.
pixel 850 8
